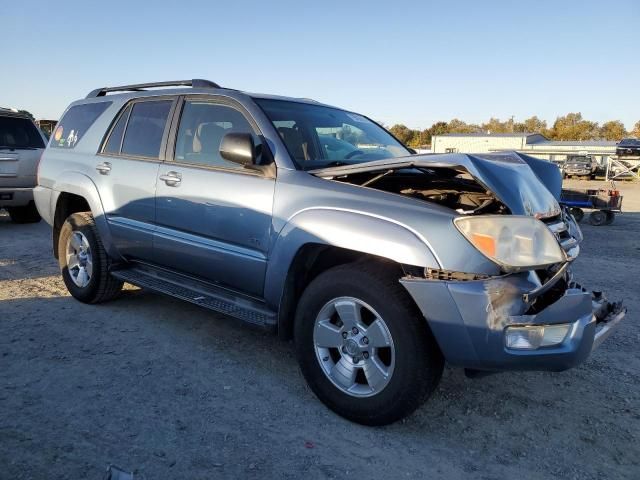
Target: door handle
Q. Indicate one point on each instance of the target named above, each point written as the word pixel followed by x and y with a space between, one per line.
pixel 172 179
pixel 104 168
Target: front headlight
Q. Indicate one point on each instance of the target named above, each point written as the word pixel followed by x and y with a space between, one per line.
pixel 513 242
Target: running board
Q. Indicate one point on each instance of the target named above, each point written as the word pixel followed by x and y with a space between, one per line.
pixel 208 296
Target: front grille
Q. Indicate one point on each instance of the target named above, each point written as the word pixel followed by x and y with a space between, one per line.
pixel 560 228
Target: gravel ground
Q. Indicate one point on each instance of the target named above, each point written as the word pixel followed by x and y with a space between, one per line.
pixel 173 391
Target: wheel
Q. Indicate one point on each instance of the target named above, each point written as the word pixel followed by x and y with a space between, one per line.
pixel 578 214
pixel 83 261
pixel 363 346
pixel 26 214
pixel 598 218
pixel 610 217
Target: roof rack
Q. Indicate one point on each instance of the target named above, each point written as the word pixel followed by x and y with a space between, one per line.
pixel 195 83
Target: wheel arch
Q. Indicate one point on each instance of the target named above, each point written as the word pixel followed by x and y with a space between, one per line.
pixel 78 193
pixel 316 240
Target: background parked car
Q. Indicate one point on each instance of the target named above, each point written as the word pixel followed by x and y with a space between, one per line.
pixel 628 147
pixel 21 145
pixel 580 166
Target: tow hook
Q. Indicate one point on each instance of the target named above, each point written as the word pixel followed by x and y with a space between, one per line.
pixel 603 309
pixel 608 315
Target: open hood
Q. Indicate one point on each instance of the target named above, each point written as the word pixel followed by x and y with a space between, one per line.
pixel 526 185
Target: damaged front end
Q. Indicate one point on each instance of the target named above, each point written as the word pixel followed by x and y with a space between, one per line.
pixel 514 321
pixel 532 315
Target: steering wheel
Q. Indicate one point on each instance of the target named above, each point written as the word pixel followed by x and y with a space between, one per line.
pixel 353 154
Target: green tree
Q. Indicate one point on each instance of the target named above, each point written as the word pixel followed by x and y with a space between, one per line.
pixel 636 130
pixel 495 125
pixel 531 125
pixel 613 130
pixel 402 133
pixel 573 127
pixel 458 126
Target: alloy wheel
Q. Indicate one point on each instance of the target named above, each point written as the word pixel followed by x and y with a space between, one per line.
pixel 354 347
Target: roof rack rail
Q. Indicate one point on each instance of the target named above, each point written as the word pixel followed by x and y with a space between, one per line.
pixel 195 83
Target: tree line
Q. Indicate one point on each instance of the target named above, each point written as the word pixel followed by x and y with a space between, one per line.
pixel 568 127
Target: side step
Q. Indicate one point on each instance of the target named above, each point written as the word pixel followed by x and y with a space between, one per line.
pixel 206 295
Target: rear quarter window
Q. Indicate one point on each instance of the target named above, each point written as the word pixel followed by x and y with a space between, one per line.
pixel 74 124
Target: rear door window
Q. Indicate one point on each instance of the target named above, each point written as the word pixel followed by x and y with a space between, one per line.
pixel 145 128
pixel 74 124
pixel 17 132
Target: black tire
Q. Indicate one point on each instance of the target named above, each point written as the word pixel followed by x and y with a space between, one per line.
pixel 611 216
pixel 418 360
pixel 26 214
pixel 598 218
pixel 102 286
pixel 578 214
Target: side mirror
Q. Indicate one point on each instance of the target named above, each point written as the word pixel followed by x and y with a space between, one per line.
pixel 238 148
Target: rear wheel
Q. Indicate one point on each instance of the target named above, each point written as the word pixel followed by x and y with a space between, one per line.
pixel 363 347
pixel 610 217
pixel 598 218
pixel 26 214
pixel 84 262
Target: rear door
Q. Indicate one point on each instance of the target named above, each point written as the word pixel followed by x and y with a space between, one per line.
pixel 126 173
pixel 213 216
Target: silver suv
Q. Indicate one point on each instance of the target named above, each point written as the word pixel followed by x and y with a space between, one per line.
pixel 317 223
pixel 21 145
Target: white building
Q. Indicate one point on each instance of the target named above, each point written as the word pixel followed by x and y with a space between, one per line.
pixel 483 142
pixel 530 143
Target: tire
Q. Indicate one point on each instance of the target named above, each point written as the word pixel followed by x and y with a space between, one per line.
pixel 96 285
pixel 413 360
pixel 578 214
pixel 610 217
pixel 598 218
pixel 26 214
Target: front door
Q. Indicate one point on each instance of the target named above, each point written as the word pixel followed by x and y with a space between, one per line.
pixel 213 217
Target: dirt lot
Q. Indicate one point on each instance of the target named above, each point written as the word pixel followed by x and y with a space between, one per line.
pixel 173 391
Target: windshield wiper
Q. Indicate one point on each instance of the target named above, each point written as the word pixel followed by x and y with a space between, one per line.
pixel 337 163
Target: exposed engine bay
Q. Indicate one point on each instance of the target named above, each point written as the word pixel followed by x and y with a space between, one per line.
pixel 448 187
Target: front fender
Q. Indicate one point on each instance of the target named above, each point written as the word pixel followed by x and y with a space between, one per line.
pixel 352 230
pixel 81 185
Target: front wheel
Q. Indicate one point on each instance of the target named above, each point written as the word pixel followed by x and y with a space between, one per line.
pixel 83 261
pixel 363 347
pixel 578 214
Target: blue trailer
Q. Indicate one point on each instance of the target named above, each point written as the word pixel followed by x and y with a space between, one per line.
pixel 604 204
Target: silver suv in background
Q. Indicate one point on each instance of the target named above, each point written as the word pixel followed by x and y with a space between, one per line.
pixel 21 145
pixel 316 222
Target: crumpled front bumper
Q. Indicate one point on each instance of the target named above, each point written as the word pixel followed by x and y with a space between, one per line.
pixel 469 319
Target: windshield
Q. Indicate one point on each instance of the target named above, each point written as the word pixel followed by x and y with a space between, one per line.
pixel 318 136
pixel 18 132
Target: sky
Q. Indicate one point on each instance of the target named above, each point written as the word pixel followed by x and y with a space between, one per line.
pixel 412 62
